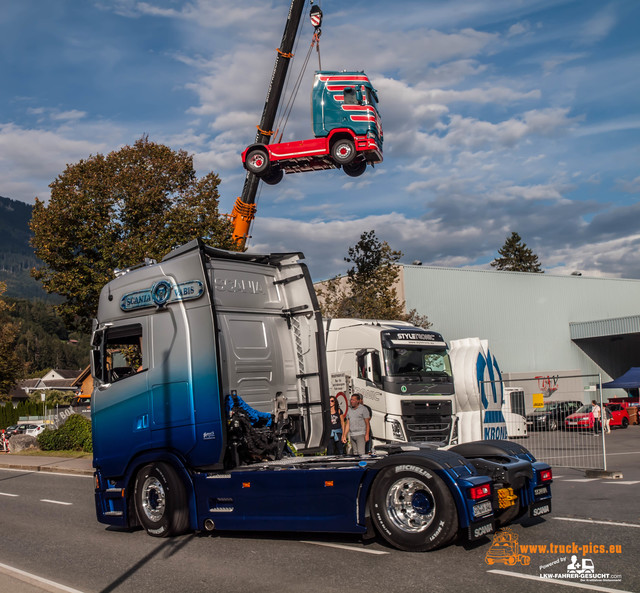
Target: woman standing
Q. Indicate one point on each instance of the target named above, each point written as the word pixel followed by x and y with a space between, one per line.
pixel 336 446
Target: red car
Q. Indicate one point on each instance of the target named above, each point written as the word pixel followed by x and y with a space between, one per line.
pixel 582 419
pixel 620 415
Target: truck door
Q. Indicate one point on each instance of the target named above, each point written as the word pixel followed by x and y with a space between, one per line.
pixel 369 384
pixel 120 401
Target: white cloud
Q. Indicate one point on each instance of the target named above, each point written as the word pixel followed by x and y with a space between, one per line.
pixel 598 26
pixel 518 29
pixel 72 114
pixel 20 148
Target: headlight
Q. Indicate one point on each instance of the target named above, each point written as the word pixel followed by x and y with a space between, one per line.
pixel 396 429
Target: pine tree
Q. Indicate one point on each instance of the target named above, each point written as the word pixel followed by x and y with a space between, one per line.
pixel 516 256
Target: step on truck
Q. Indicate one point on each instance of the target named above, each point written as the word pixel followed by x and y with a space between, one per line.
pixel 210 411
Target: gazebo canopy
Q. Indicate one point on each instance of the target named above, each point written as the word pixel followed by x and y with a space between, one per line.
pixel 630 380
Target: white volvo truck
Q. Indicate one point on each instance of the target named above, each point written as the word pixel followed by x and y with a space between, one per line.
pixel 417 389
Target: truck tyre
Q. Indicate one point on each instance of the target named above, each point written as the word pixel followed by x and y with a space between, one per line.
pixel 161 500
pixel 355 169
pixel 412 508
pixel 257 161
pixel 273 177
pixel 625 423
pixel 343 151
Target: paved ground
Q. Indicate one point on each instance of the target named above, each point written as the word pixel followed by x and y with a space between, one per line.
pixel 65 465
pixel 586 509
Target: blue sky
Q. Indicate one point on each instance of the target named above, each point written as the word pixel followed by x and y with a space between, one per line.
pixel 499 116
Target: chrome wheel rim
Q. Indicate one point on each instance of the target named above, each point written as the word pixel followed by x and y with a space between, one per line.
pixel 344 151
pixel 410 505
pixel 153 499
pixel 256 161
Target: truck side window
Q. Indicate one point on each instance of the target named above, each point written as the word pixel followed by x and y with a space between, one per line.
pixel 123 353
pixel 362 366
pixel 376 373
pixel 369 367
pixel 350 96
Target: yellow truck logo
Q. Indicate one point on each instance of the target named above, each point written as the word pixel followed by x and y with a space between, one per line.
pixel 505 549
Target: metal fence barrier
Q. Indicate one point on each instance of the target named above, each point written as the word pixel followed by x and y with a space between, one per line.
pixel 553 434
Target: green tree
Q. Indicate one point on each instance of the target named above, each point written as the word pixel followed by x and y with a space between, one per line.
pixel 369 289
pixel 11 367
pixel 112 211
pixel 53 397
pixel 516 257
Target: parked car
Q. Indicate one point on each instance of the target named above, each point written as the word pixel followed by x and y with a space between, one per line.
pixel 34 429
pixel 552 415
pixel 580 419
pixel 620 415
pixel 10 431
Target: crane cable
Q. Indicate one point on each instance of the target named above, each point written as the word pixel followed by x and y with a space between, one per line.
pixel 284 113
pixel 287 109
pixel 280 109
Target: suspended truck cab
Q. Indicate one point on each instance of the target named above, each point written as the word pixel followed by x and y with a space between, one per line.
pixel 347 128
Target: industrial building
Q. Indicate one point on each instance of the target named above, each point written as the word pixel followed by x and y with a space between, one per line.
pixel 573 327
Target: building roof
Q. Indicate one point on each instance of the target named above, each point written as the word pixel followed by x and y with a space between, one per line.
pixel 82 376
pixel 67 374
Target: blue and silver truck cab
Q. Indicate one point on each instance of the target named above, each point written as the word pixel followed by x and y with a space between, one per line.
pixel 209 373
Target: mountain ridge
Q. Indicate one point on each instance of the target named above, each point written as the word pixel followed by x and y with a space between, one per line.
pixel 16 253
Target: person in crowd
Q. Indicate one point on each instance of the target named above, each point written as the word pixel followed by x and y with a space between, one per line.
pixel 606 419
pixel 336 445
pixel 357 425
pixel 595 410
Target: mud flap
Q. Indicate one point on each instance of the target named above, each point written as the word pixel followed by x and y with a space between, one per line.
pixel 481 528
pixel 542 507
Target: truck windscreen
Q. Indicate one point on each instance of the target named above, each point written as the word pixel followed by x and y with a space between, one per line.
pixel 417 361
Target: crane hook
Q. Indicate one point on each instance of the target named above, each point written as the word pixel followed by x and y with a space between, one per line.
pixel 315 14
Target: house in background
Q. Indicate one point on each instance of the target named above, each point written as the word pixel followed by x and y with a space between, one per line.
pixel 84 383
pixel 58 379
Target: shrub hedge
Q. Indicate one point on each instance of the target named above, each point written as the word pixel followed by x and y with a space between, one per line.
pixel 73 435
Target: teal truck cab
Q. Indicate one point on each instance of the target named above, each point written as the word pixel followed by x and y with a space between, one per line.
pixel 346 125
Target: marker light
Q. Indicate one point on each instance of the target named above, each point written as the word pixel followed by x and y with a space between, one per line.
pixel 480 491
pixel 545 475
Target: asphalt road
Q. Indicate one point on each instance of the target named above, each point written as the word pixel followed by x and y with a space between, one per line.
pixel 49 531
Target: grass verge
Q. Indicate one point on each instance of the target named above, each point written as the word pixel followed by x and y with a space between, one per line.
pixel 73 454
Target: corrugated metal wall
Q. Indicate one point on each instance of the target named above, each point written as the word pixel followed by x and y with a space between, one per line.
pixel 524 316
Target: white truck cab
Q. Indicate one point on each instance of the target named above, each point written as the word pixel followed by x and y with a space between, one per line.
pixel 403 373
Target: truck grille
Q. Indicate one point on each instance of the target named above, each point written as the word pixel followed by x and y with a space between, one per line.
pixel 427 422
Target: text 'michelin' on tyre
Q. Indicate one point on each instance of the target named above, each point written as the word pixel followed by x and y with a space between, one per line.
pixel 413 509
pixel 161 500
